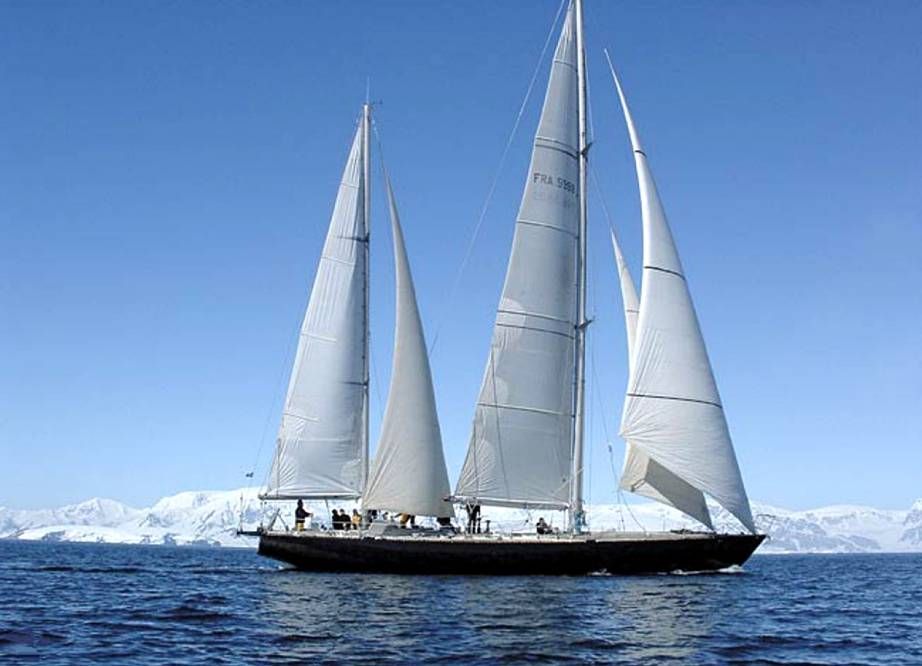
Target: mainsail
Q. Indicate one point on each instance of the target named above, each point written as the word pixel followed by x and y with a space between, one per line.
pixel 409 473
pixel 320 450
pixel 673 412
pixel 521 447
pixel 641 474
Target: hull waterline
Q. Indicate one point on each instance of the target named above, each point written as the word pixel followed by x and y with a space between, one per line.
pixel 616 553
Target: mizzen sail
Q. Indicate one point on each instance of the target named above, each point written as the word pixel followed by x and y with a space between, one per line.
pixel 673 412
pixel 320 446
pixel 521 446
pixel 408 474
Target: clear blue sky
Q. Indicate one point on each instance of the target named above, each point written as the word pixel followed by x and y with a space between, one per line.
pixel 167 172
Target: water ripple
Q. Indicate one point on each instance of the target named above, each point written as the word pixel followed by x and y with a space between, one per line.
pixel 67 603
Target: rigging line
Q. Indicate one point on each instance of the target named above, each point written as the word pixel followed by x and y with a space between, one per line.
pixel 629 512
pixel 598 190
pixel 499 169
pixel 286 361
pixel 598 397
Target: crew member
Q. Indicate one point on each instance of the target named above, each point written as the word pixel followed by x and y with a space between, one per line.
pixel 301 515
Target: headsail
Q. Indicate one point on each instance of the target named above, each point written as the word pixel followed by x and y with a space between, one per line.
pixel 640 474
pixel 628 297
pixel 320 446
pixel 409 473
pixel 673 412
pixel 520 450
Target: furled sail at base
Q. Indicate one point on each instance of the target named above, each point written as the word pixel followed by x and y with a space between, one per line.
pixel 408 474
pixel 673 412
pixel 642 475
pixel 320 445
pixel 520 451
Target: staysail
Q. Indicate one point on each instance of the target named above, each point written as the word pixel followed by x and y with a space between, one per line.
pixel 320 449
pixel 520 451
pixel 408 474
pixel 672 412
pixel 641 474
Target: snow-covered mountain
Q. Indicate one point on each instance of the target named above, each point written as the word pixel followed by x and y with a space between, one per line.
pixel 212 517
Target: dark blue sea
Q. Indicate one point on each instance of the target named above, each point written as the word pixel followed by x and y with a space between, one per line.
pixel 75 603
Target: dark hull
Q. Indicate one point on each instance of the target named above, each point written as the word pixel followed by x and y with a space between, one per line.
pixel 610 553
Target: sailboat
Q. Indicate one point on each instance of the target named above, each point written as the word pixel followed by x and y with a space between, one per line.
pixel 526 443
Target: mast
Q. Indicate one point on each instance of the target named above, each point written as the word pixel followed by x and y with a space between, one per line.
pixel 576 482
pixel 366 210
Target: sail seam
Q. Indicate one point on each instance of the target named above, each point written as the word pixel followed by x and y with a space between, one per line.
pixel 301 417
pixel 545 225
pixel 317 336
pixel 344 262
pixel 665 270
pixel 534 314
pixel 562 144
pixel 675 397
pixel 536 410
pixel 565 63
pixel 535 329
pixel 569 153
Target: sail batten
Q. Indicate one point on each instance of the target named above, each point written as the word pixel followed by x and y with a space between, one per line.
pixel 408 474
pixel 320 444
pixel 520 450
pixel 672 412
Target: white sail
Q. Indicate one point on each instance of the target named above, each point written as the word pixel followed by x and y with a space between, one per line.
pixel 628 297
pixel 520 450
pixel 408 474
pixel 673 411
pixel 320 445
pixel 640 474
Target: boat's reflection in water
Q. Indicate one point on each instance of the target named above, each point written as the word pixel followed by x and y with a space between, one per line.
pixel 631 619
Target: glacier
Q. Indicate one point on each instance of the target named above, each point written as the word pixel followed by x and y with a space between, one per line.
pixel 211 518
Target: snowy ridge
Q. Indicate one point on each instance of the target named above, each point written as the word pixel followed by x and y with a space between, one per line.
pixel 211 518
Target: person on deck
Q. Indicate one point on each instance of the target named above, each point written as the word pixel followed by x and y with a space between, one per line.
pixel 473 517
pixel 407 520
pixel 356 519
pixel 542 527
pixel 336 520
pixel 301 515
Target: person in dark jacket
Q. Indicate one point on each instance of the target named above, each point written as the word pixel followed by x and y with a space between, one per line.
pixel 301 515
pixel 542 527
pixel 473 517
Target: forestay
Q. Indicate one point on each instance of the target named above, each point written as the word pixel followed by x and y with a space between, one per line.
pixel 520 450
pixel 641 474
pixel 320 445
pixel 409 473
pixel 673 412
